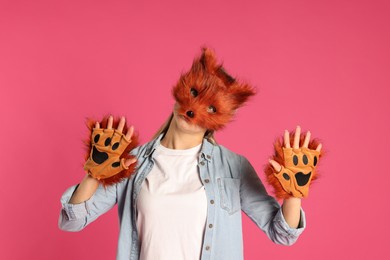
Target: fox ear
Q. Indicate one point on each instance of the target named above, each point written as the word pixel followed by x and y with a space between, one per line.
pixel 206 62
pixel 210 64
pixel 240 93
pixel 227 79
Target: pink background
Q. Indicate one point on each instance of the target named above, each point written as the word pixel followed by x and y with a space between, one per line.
pixel 321 64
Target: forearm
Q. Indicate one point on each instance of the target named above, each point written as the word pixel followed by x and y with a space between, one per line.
pixel 291 211
pixel 85 190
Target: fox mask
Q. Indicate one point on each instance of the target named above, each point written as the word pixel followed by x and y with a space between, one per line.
pixel 207 95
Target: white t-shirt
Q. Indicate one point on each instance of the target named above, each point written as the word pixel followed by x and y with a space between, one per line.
pixel 172 207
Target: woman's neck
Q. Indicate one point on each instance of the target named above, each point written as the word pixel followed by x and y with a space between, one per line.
pixel 175 139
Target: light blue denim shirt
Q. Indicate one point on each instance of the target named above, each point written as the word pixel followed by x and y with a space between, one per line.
pixel 230 183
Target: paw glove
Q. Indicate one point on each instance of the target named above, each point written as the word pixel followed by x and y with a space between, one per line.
pixel 108 150
pixel 299 169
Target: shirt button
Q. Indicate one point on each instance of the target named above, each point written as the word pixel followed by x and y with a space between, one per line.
pixel 202 163
pixel 212 201
pixel 208 157
pixel 211 225
pixel 206 180
pixel 207 248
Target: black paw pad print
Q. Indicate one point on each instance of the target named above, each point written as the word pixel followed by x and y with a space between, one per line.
pixel 298 170
pixel 100 157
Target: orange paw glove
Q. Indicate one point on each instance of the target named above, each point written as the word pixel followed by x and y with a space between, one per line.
pixel 292 169
pixel 108 150
pixel 299 168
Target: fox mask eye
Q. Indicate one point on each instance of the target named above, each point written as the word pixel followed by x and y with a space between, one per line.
pixel 212 110
pixel 194 92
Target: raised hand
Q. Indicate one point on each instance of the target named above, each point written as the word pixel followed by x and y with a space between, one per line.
pixel 109 149
pixel 298 165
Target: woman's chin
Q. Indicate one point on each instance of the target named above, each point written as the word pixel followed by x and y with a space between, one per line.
pixel 185 125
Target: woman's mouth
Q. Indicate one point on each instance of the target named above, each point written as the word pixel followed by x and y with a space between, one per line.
pixel 185 118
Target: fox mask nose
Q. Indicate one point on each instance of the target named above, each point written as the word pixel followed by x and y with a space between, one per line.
pixel 190 114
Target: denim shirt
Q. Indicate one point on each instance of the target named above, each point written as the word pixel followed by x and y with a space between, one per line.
pixel 231 185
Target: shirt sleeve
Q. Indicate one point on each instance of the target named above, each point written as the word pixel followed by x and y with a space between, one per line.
pixel 75 217
pixel 264 210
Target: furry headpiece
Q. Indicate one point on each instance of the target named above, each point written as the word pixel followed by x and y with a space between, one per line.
pixel 208 96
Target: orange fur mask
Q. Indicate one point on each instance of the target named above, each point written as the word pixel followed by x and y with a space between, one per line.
pixel 207 95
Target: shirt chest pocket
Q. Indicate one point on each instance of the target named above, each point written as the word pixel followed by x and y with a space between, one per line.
pixel 229 191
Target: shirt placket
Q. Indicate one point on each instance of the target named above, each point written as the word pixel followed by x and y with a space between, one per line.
pixel 203 166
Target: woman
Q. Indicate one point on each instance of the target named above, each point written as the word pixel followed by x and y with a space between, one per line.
pixel 184 199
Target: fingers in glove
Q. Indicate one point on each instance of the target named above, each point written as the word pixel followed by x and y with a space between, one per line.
pixel 275 165
pixel 121 124
pixel 297 137
pixel 129 133
pixel 97 125
pixel 307 139
pixel 110 121
pixel 287 139
pixel 319 147
pixel 130 161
